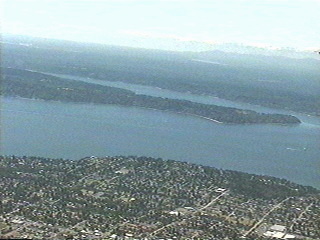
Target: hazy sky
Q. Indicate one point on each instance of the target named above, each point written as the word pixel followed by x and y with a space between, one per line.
pixel 277 23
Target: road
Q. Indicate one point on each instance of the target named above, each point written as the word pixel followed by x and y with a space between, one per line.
pixel 264 216
pixel 192 213
pixel 300 216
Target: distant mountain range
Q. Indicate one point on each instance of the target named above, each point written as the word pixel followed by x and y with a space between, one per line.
pixel 267 51
pixel 198 46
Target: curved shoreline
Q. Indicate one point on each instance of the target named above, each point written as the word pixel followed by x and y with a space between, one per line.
pixel 154 109
pixel 248 105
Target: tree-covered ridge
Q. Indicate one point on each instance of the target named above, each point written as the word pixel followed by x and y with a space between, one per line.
pixel 276 82
pixel 29 84
pixel 141 197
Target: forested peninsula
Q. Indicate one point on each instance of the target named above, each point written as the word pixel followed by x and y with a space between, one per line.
pixel 34 85
pixel 269 81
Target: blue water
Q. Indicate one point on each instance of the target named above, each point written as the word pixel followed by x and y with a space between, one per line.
pixel 68 130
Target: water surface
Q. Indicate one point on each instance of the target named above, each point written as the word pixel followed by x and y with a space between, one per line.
pixel 69 130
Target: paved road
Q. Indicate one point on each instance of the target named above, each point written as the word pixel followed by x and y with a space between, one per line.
pixel 193 213
pixel 264 216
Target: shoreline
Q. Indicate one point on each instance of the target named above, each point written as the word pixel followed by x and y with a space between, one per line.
pixel 201 158
pixel 154 109
pixel 70 77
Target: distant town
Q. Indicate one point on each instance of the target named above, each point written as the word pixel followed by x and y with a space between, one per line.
pixel 146 198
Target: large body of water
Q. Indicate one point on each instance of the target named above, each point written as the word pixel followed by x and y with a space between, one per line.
pixel 69 130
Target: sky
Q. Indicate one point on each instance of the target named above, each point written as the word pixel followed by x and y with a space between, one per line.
pixel 168 24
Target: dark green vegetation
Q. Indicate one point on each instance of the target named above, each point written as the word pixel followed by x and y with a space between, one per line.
pixel 144 197
pixel 29 84
pixel 276 82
